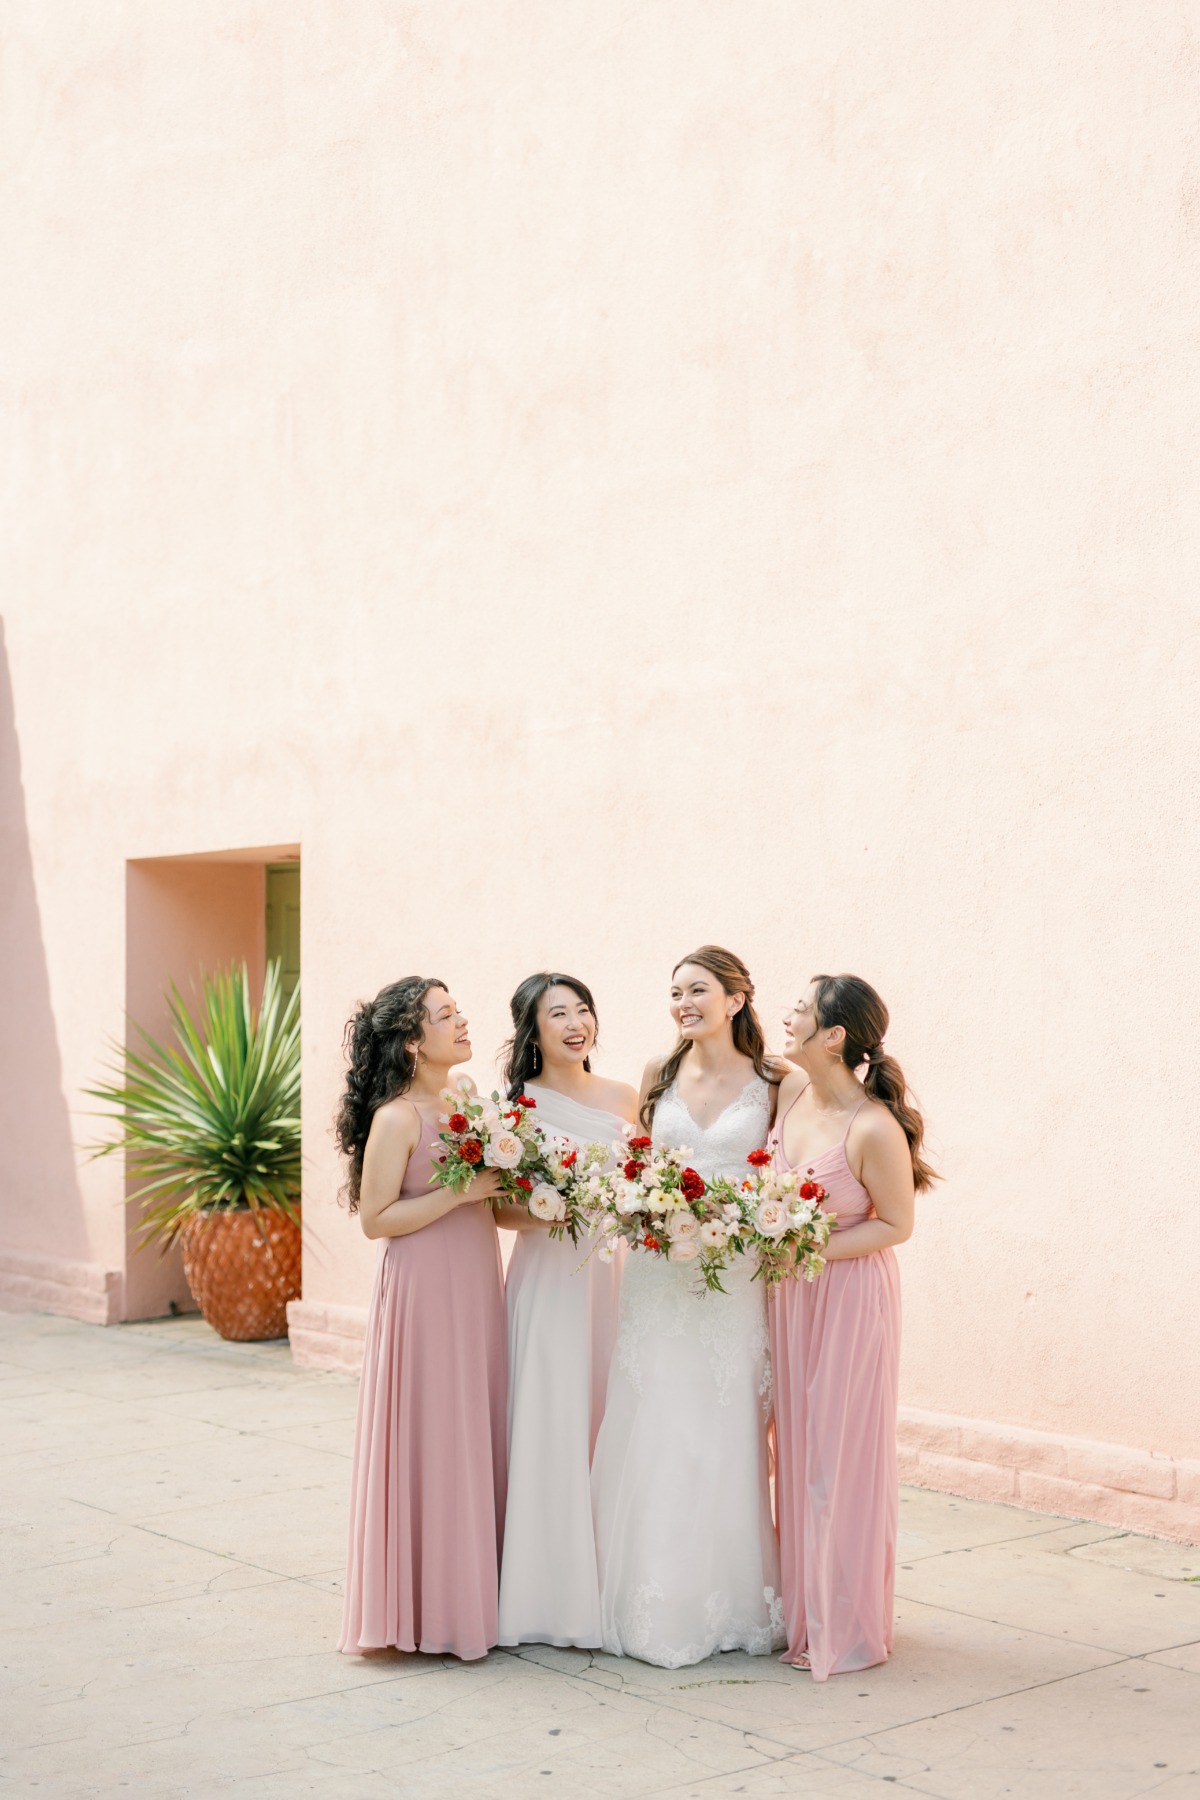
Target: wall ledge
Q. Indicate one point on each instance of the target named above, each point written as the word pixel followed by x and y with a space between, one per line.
pixel 1075 1478
pixel 51 1284
pixel 1079 1478
pixel 327 1337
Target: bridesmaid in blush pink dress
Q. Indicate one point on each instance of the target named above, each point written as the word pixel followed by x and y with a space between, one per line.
pixel 428 1489
pixel 835 1342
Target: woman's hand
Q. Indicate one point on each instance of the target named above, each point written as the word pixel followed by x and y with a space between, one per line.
pixel 485 1185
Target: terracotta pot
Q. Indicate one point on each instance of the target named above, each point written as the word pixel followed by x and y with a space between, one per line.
pixel 242 1271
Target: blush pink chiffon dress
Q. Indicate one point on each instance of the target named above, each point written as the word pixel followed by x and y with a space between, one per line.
pixel 835 1353
pixel 428 1489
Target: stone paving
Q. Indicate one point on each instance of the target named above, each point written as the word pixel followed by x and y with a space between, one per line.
pixel 172 1511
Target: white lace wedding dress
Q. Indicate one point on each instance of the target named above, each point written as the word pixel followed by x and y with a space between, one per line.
pixel 687 1553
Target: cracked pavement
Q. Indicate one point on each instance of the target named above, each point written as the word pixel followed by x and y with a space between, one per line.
pixel 172 1519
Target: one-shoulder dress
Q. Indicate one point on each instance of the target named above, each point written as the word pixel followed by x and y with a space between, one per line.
pixel 835 1353
pixel 562 1323
pixel 427 1495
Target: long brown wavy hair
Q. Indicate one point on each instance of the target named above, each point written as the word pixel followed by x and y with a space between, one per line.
pixel 734 977
pixel 380 1065
pixel 852 1003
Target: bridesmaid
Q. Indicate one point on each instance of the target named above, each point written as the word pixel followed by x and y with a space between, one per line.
pixel 562 1322
pixel 835 1342
pixel 427 1498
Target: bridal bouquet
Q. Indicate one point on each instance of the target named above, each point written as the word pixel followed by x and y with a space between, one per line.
pixel 784 1224
pixel 536 1168
pixel 660 1205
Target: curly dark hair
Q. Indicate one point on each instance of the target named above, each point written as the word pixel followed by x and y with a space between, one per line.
pixel 522 1054
pixel 380 1063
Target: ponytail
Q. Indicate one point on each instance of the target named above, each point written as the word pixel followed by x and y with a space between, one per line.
pixel 852 1003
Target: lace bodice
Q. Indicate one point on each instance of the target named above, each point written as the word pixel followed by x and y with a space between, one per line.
pixel 723 1147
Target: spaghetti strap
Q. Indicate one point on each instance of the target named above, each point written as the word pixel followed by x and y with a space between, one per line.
pixel 778 1126
pixel 852 1117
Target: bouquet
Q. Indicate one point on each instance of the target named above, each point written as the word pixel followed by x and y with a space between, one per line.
pixel 783 1221
pixel 661 1206
pixel 537 1169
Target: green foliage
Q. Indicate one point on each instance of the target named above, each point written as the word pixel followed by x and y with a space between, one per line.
pixel 212 1120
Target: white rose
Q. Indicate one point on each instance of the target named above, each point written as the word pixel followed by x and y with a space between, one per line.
pixel 684 1226
pixel 713 1235
pixel 546 1203
pixel 770 1218
pixel 683 1250
pixel 629 1200
pixel 503 1150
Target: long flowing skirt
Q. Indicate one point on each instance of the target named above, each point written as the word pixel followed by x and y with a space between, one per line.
pixel 562 1320
pixel 427 1508
pixel 835 1350
pixel 688 1557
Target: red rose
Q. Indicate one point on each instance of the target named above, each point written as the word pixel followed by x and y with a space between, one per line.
pixel 650 1243
pixel 640 1143
pixel 457 1122
pixel 524 1100
pixel 633 1169
pixel 569 1160
pixel 759 1158
pixel 811 1190
pixel 691 1185
pixel 524 1182
pixel 471 1150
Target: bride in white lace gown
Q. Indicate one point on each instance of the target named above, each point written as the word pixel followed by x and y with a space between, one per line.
pixel 686 1546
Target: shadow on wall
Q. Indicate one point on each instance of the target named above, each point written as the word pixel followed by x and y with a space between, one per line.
pixel 43 1232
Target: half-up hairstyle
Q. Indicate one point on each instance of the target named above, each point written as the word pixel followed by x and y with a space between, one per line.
pixel 734 977
pixel 522 1053
pixel 380 1064
pixel 852 1003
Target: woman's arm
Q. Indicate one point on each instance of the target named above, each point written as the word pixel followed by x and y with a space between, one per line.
pixel 382 1209
pixel 886 1173
pixel 512 1217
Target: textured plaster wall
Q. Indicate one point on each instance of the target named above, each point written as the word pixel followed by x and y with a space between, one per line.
pixel 601 480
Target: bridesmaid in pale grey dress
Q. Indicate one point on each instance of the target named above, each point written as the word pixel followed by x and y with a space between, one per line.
pixel 562 1321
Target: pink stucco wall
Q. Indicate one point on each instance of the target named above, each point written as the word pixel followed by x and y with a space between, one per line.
pixel 599 480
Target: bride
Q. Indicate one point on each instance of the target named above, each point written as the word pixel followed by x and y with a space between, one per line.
pixel 687 1553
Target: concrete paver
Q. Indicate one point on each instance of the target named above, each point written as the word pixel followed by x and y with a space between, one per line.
pixel 172 1518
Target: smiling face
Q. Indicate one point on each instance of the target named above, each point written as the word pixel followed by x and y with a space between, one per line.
pixel 445 1039
pixel 806 1041
pixel 700 1006
pixel 566 1027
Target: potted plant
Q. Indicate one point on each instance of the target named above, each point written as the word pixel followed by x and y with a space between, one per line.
pixel 210 1126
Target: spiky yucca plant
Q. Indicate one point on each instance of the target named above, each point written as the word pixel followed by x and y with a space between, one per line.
pixel 212 1120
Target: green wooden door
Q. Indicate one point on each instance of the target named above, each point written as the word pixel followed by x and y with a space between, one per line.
pixel 283 920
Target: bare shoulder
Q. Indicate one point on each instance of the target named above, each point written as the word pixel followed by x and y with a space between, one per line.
pixel 653 1070
pixel 779 1071
pixel 877 1125
pixel 396 1124
pixel 616 1097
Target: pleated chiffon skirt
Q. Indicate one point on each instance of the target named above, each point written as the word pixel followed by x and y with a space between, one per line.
pixel 428 1489
pixel 835 1353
